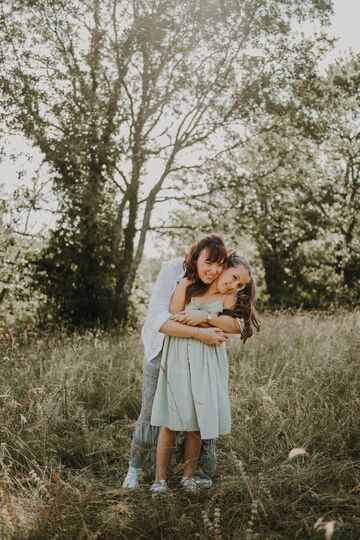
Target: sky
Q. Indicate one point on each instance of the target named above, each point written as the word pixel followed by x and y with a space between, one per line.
pixel 345 26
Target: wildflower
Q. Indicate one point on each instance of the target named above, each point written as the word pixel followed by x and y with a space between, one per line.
pixel 327 526
pixel 298 452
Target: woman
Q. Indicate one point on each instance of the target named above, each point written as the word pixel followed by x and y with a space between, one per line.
pixel 203 264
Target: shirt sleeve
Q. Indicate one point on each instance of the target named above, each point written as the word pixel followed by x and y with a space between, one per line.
pixel 161 296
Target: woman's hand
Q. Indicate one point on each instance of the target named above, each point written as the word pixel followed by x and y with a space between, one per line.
pixel 192 318
pixel 212 336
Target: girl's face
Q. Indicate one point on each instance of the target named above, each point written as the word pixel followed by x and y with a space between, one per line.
pixel 232 279
pixel 208 271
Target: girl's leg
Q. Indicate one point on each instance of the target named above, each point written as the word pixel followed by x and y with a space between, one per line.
pixel 165 445
pixel 191 452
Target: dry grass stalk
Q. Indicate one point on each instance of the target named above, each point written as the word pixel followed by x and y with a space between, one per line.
pixel 217 528
pixel 88 494
pixel 212 527
pixel 250 533
pixel 40 485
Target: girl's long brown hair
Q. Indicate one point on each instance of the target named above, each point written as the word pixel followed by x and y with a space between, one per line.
pixel 216 252
pixel 244 306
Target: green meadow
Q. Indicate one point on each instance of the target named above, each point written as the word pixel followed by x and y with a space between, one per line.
pixel 68 403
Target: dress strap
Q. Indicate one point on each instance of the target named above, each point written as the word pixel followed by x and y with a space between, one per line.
pixel 225 295
pixel 223 299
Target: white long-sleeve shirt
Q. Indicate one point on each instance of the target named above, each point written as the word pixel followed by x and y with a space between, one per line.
pixel 158 313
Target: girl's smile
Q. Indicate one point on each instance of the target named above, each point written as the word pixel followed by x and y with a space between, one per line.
pixel 231 280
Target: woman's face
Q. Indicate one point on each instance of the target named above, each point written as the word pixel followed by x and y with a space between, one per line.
pixel 207 270
pixel 232 279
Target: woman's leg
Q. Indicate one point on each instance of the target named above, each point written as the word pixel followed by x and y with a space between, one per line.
pixel 165 445
pixel 145 435
pixel 206 466
pixel 191 452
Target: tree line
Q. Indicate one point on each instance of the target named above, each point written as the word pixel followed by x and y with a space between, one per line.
pixel 293 188
pixel 132 103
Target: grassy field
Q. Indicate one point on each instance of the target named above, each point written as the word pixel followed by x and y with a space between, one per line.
pixel 68 405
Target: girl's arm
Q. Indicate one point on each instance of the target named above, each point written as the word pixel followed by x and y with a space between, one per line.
pixel 225 322
pixel 178 299
pixel 210 336
pixel 199 318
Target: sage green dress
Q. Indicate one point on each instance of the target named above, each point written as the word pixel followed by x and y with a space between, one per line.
pixel 192 390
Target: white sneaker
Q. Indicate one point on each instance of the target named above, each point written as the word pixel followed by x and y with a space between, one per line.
pixel 131 480
pixel 159 487
pixel 203 483
pixel 189 484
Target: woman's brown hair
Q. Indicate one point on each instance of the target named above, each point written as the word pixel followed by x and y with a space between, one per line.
pixel 244 306
pixel 216 252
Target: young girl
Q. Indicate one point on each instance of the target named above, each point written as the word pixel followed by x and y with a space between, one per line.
pixel 192 390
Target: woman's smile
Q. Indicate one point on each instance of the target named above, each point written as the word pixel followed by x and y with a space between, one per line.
pixel 208 270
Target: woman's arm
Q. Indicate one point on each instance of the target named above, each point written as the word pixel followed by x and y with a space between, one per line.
pixel 210 336
pixel 226 323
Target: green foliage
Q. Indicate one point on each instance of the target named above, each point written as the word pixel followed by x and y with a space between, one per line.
pixel 307 194
pixel 68 407
pixel 18 303
pixel 291 185
pixel 341 146
pixel 110 93
pixel 76 271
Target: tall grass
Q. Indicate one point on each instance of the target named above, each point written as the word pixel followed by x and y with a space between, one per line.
pixel 67 409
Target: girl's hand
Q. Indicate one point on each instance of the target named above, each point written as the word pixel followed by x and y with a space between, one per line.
pixel 193 318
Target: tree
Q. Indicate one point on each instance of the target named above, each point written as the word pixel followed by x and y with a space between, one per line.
pixel 267 181
pixel 307 224
pixel 116 95
pixel 17 304
pixel 297 190
pixel 340 160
